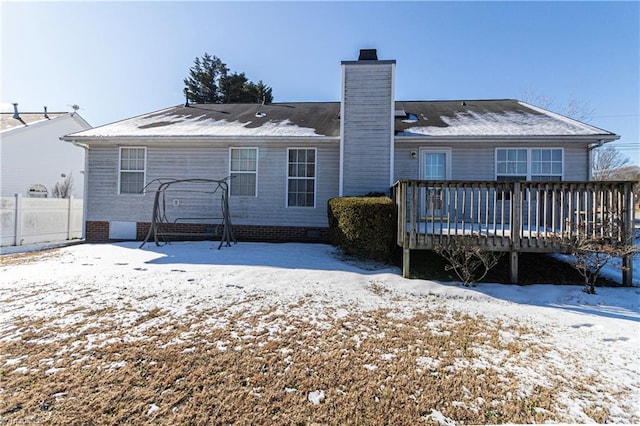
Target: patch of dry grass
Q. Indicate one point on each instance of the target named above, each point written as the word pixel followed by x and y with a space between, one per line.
pixel 29 257
pixel 244 367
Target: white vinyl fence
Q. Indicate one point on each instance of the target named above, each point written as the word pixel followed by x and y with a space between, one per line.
pixel 37 220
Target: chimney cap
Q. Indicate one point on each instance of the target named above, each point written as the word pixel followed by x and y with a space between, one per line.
pixel 368 55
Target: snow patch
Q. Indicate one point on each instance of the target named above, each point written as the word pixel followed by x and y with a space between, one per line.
pixel 440 418
pixel 169 124
pixel 316 397
pixel 152 409
pixel 509 123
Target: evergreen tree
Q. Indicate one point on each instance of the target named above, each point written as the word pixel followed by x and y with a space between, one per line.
pixel 204 78
pixel 211 82
pixel 264 94
pixel 232 88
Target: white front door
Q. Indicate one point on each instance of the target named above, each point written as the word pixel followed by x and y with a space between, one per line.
pixel 435 164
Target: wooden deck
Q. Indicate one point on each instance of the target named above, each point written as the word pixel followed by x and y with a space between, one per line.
pixel 512 217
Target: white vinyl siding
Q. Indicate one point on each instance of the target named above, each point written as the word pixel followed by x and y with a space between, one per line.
pixel 533 164
pixel 243 165
pixel 367 119
pixel 301 177
pixel 268 208
pixel 132 170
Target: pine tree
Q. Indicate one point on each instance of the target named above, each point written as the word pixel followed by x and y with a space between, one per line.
pixel 232 88
pixel 211 82
pixel 264 93
pixel 204 79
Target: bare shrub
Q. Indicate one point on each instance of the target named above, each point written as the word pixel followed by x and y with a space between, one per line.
pixel 63 189
pixel 592 254
pixel 469 261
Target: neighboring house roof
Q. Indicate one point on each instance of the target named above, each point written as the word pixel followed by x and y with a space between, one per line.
pixel 9 124
pixel 507 117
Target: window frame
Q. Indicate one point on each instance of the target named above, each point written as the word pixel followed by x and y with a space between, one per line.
pixel 423 151
pixel 529 161
pixel 233 172
pixel 315 177
pixel 121 170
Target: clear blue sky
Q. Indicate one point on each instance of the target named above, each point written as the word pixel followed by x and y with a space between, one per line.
pixel 120 59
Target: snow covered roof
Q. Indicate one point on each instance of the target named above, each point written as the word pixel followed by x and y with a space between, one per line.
pixel 7 122
pixel 507 117
pixel 480 118
pixel 282 119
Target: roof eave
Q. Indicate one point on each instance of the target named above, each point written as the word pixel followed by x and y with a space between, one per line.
pixel 604 138
pixel 188 138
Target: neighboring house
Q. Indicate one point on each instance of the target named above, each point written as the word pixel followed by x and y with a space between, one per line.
pixel 286 160
pixel 32 157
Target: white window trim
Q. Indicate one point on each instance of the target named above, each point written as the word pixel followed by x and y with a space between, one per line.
pixel 231 148
pixel 144 172
pixel 422 151
pixel 315 180
pixel 528 149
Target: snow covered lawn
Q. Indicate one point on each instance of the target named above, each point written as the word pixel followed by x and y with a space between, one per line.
pixel 295 334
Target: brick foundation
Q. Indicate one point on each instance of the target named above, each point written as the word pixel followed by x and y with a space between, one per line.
pixel 280 234
pixel 98 231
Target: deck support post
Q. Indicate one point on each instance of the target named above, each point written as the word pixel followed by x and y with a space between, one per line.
pixel 513 266
pixel 406 257
pixel 627 271
pixel 516 224
pixel 629 221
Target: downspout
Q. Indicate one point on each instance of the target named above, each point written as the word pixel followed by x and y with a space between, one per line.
pixel 86 185
pixel 590 149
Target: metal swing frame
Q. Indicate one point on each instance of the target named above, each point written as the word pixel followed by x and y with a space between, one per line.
pixel 159 216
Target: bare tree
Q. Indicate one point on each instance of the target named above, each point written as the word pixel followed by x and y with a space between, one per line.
pixel 577 109
pixel 631 172
pixel 607 163
pixel 63 189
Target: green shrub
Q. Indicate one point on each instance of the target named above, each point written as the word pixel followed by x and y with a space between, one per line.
pixel 363 226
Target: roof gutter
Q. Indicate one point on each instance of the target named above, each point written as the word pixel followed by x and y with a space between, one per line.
pixel 74 142
pixel 516 138
pixel 163 139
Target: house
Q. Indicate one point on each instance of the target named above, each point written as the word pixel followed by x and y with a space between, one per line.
pixel 284 161
pixel 33 159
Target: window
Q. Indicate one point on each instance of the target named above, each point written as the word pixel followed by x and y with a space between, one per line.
pixel 511 164
pixel 243 166
pixel 132 170
pixel 535 164
pixel 38 191
pixel 301 177
pixel 546 164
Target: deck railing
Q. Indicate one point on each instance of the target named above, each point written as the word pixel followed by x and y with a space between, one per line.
pixel 512 216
